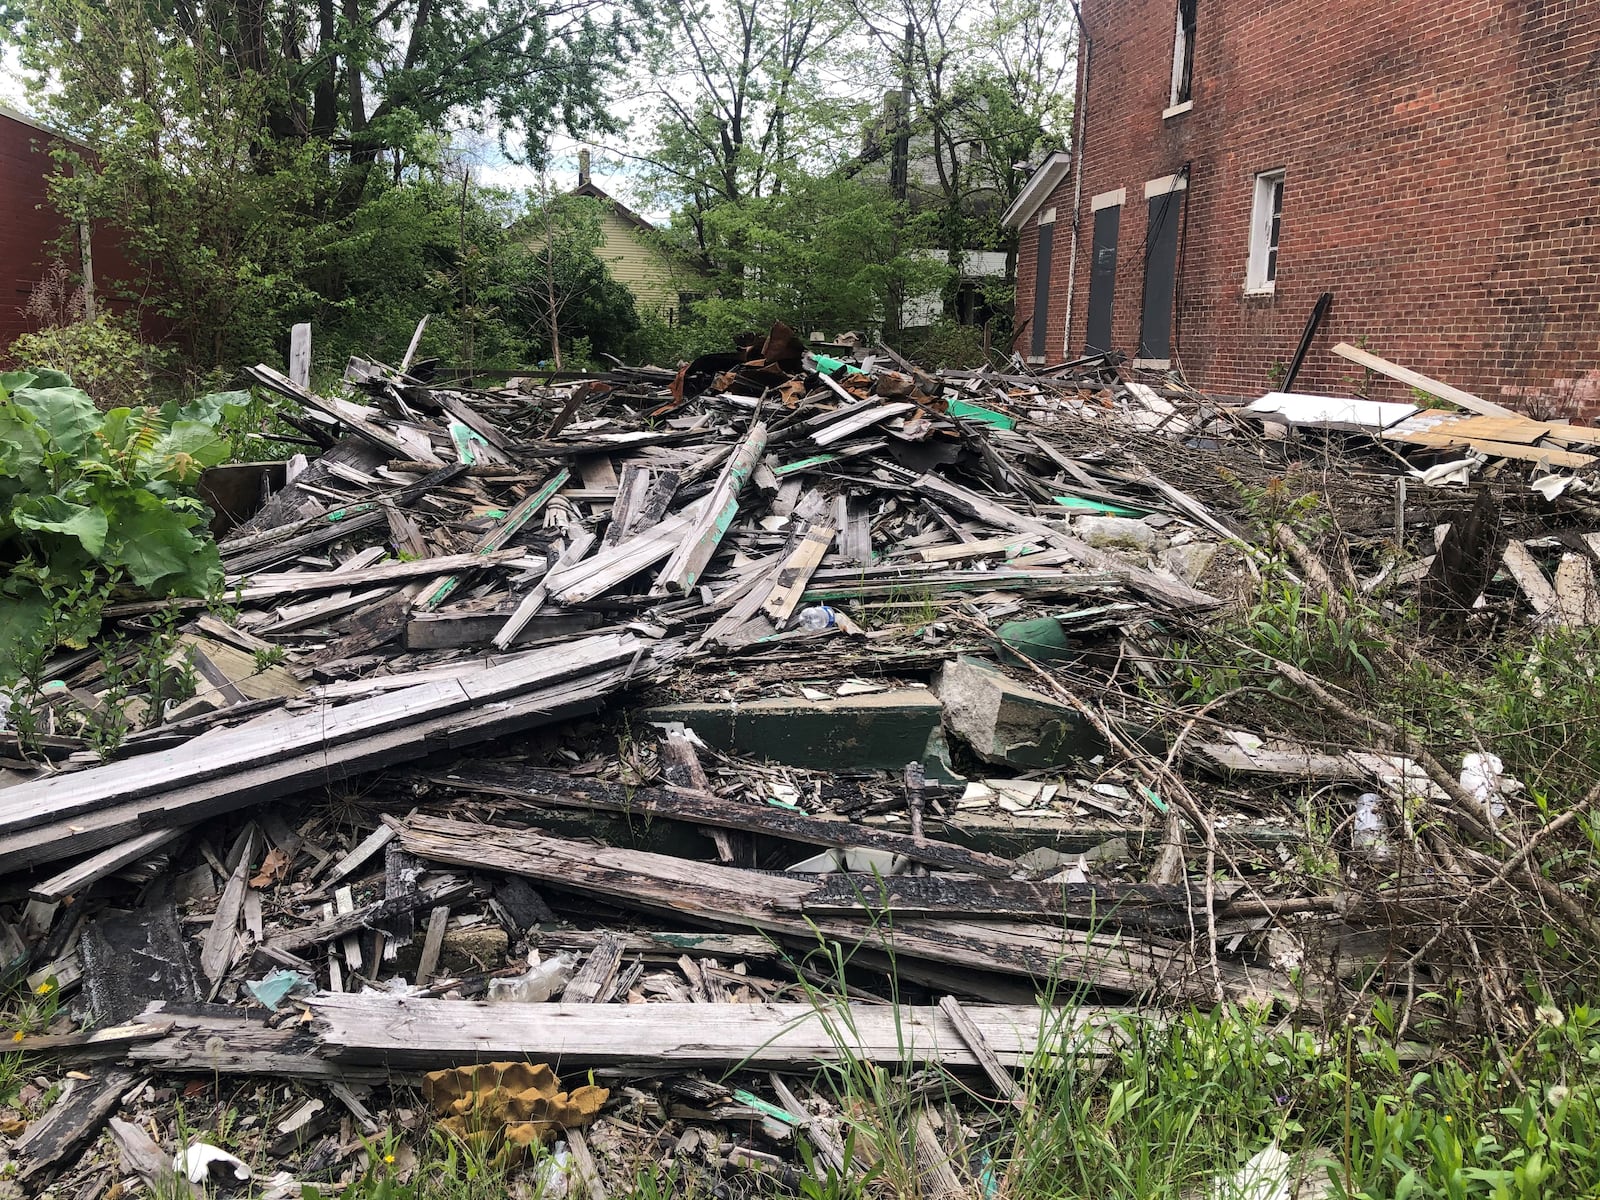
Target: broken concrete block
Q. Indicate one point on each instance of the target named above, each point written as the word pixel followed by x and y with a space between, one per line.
pixel 1190 561
pixel 1006 722
pixel 1116 533
pixel 879 732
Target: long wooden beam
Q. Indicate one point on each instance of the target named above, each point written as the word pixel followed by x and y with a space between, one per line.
pixel 410 1033
pixel 729 896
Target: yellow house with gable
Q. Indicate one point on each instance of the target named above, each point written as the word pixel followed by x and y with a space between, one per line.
pixel 638 257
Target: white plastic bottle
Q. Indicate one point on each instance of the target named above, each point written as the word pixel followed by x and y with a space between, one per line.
pixel 1369 836
pixel 817 618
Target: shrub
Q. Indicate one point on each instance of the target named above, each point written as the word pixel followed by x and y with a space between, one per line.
pixel 105 359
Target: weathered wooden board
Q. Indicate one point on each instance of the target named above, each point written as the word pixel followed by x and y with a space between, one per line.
pixel 564 791
pixel 729 896
pixel 413 1032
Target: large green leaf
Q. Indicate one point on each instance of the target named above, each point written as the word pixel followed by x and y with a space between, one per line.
pixel 21 447
pixel 67 417
pixel 156 545
pixel 187 447
pixel 52 514
pixel 208 409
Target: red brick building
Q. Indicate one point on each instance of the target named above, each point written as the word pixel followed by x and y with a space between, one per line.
pixel 1434 166
pixel 29 227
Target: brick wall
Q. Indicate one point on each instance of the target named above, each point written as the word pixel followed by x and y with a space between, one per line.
pixel 29 225
pixel 1027 272
pixel 1442 180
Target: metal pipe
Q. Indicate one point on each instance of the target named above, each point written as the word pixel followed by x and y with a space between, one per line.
pixel 1079 113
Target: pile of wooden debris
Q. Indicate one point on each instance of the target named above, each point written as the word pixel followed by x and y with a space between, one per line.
pixel 808 712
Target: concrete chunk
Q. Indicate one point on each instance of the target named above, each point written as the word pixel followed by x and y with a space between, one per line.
pixel 1006 722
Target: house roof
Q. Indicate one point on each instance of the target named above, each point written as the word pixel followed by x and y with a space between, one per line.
pixel 23 119
pixel 588 188
pixel 1040 184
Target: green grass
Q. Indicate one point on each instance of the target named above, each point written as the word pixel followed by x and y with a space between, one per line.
pixel 1179 1103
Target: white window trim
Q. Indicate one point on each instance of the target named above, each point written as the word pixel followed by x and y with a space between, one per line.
pixel 1177 110
pixel 1178 53
pixel 1047 217
pixel 1167 183
pixel 1114 199
pixel 1255 281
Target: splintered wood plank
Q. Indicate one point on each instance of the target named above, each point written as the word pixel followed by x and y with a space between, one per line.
pixel 972 1036
pixel 748 899
pixel 411 1032
pixel 498 538
pixel 358 858
pixel 1008 546
pixel 535 600
pixel 690 557
pixel 796 573
pixel 288 772
pixel 1405 375
pixel 595 576
pixel 222 938
pixel 1519 430
pixel 1445 437
pixel 243 589
pixel 938 897
pixel 284 736
pixel 970 504
pixel 592 983
pixel 588 1173
pixel 72 1121
pixel 939 1178
pixel 1577 596
pixel 432 944
pixel 560 791
pixel 361 420
pixel 106 863
pixel 1530 578
pixel 631 490
pixel 856 422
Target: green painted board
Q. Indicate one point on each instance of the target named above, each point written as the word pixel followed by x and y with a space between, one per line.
pixel 960 408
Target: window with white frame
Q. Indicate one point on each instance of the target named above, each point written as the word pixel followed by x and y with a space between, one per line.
pixel 1183 54
pixel 1266 218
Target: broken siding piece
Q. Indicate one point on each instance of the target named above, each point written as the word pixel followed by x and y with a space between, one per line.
pixel 1530 578
pixel 796 573
pixel 1405 375
pixel 689 559
pixel 225 752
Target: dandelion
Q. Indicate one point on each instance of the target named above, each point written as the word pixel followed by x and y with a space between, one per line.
pixel 44 989
pixel 388 1160
pixel 1449 1120
pixel 1549 1014
pixel 18 1036
pixel 1558 1095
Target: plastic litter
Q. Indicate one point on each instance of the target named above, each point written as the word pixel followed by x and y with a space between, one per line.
pixel 1266 1176
pixel 205 1163
pixel 1369 836
pixel 535 985
pixel 818 617
pixel 273 988
pixel 1484 778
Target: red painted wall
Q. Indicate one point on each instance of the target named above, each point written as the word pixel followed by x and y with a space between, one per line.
pixel 1442 181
